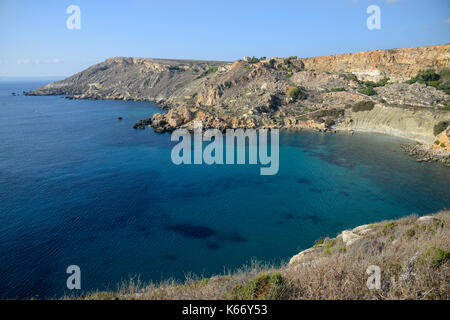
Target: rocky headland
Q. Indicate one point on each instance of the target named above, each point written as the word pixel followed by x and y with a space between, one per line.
pixel 402 92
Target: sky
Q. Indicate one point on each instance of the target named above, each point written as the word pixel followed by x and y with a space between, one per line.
pixel 36 42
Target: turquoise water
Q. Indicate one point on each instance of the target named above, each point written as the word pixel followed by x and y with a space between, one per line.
pixel 77 186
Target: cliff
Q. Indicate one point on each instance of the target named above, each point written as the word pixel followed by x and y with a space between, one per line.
pixel 318 93
pixel 397 64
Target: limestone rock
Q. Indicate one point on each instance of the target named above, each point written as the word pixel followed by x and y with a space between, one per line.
pixel 426 219
pixel 349 237
pixel 305 255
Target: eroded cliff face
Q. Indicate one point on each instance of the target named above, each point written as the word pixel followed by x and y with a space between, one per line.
pixel 314 93
pixel 402 122
pixel 397 64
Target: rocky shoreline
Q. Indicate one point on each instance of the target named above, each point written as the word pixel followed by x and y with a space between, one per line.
pixel 425 153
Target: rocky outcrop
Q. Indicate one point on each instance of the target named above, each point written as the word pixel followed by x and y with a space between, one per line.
pixel 426 153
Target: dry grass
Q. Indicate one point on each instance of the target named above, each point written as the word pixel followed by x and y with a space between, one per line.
pixel 414 258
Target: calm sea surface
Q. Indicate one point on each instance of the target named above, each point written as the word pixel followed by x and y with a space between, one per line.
pixel 77 186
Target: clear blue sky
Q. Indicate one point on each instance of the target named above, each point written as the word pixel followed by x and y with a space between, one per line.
pixel 34 39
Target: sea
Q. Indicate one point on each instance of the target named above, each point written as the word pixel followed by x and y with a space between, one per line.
pixel 80 187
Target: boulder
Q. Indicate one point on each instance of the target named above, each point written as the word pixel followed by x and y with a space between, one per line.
pixel 427 219
pixel 349 237
pixel 305 255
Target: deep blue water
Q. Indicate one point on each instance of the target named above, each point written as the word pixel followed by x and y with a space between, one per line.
pixel 77 186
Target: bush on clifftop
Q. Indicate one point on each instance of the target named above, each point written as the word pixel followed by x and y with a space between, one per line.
pixel 363 106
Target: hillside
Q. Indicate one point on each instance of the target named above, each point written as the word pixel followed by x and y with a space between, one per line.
pixel 413 255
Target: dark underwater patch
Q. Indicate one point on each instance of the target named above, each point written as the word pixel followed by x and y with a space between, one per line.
pixel 213 246
pixel 140 228
pixel 232 237
pixel 192 230
pixel 288 216
pixel 303 181
pixel 311 218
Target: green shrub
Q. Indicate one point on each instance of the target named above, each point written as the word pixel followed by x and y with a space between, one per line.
pixel 363 106
pixel 389 225
pixel 262 287
pixel 297 93
pixel 424 76
pixel 328 245
pixel 434 83
pixel 382 82
pixel 253 60
pixel 379 83
pixel 437 256
pixel 176 68
pixel 287 61
pixel 442 145
pixel 337 89
pixel 411 232
pixel 440 126
pixel 350 76
pixel 209 71
pixel 329 122
pixel 444 87
pixel 428 75
pixel 369 91
pixel 437 142
pixel 335 113
pixel 318 242
pixel 445 74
